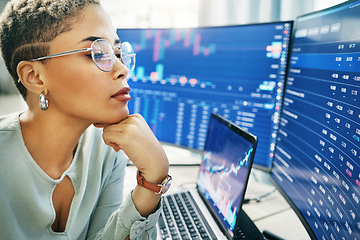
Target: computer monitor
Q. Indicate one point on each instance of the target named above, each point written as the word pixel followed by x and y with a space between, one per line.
pixel 317 164
pixel 183 75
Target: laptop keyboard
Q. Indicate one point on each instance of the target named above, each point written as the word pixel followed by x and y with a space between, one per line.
pixel 180 218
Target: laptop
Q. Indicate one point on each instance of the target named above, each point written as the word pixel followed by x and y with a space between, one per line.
pixel 220 189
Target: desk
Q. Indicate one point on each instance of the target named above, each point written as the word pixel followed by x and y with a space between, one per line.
pixel 272 213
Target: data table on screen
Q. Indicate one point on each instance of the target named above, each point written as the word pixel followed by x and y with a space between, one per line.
pixel 317 158
pixel 183 75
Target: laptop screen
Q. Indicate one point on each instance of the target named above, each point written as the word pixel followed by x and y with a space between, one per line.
pixel 225 169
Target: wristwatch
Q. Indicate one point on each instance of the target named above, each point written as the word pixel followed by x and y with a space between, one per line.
pixel 157 188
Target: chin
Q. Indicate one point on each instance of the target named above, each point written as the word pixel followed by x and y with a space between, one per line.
pixel 117 118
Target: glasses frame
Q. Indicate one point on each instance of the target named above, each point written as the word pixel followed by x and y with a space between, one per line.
pixel 91 49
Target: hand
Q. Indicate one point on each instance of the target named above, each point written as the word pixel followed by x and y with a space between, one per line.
pixel 135 138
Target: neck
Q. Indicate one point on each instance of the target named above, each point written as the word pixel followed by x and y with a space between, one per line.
pixel 51 140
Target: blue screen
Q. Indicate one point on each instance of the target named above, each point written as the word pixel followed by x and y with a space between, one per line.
pixel 224 171
pixel 183 75
pixel 317 162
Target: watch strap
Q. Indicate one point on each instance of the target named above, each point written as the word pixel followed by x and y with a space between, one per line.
pixel 157 188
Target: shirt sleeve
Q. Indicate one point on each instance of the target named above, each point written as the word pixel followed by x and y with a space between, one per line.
pixel 127 221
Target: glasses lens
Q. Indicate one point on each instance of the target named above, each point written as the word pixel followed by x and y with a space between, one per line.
pixel 103 54
pixel 128 55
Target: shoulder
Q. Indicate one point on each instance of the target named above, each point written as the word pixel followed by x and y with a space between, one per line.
pixel 11 145
pixel 9 122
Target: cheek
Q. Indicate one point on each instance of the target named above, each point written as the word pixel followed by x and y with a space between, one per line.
pixel 85 93
pixel 76 86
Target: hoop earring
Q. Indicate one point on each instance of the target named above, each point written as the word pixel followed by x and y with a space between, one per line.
pixel 44 103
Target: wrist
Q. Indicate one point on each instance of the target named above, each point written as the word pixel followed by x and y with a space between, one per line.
pixel 157 188
pixel 156 174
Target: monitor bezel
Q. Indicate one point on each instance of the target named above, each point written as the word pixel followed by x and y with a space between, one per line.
pixel 208 26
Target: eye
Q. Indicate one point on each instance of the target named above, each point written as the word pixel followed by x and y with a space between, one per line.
pixel 117 51
pixel 98 55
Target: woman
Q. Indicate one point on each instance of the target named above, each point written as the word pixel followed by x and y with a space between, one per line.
pixel 61 177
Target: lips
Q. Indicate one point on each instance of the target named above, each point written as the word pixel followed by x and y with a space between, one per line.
pixel 122 94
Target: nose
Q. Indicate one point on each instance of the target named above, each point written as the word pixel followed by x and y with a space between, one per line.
pixel 119 70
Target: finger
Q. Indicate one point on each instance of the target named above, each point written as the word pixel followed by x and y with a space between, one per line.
pixel 100 125
pixel 128 128
pixel 114 146
pixel 112 138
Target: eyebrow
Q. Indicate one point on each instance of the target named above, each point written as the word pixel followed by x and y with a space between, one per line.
pixel 93 38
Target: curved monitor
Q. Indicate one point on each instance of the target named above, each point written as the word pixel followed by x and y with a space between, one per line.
pixel 183 75
pixel 317 157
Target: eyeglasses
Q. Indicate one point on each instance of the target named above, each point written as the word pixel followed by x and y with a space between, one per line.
pixel 103 54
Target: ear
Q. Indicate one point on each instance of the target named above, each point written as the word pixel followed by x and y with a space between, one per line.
pixel 30 75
